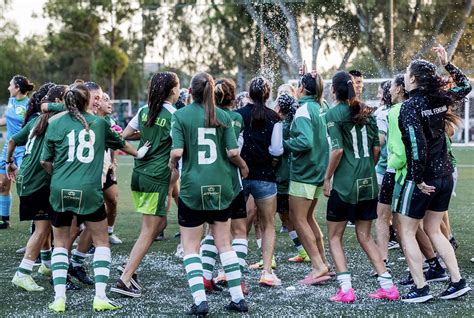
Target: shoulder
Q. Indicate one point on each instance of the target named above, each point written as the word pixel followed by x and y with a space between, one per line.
pixel 169 108
pixel 302 111
pixel 54 119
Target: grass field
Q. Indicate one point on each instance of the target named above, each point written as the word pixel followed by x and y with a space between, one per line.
pixel 166 292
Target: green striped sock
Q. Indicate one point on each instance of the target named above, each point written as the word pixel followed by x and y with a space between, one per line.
pixel 385 281
pixel 101 266
pixel 77 258
pixel 208 256
pixel 193 265
pixel 240 247
pixel 230 262
pixel 25 268
pixel 59 265
pixel 46 258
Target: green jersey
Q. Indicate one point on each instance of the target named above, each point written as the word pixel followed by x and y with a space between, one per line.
pixel 308 143
pixel 31 177
pixel 397 158
pixel 155 162
pixel 282 169
pixel 78 158
pixel 238 126
pixel 354 178
pixel 207 174
pixel 450 152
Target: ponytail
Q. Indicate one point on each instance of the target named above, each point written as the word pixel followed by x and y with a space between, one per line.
pixel 225 92
pixel 76 101
pixel 34 104
pixel 313 86
pixel 23 84
pixel 203 90
pixel 161 86
pixel 55 92
pixel 259 92
pixel 344 90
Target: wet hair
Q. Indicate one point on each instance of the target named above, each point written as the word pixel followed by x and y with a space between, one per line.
pixel 287 105
pixel 161 85
pixel 23 84
pixel 259 92
pixel 34 103
pixel 55 92
pixel 239 99
pixel 288 88
pixel 202 88
pixel 344 91
pixel 225 92
pixel 386 96
pixel 356 73
pixel 313 85
pixel 399 80
pixel 76 101
pixel 91 86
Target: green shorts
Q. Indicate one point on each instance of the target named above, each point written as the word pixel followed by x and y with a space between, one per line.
pixel 149 194
pixel 305 190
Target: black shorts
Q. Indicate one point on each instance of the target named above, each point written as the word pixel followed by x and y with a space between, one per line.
pixel 238 207
pixel 60 219
pixel 414 203
pixel 340 211
pixel 36 206
pixel 191 218
pixel 283 204
pixel 386 190
pixel 109 181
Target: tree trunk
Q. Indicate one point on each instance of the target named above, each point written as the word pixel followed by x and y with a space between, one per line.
pixel 453 44
pixel 292 31
pixel 431 41
pixel 240 77
pixel 347 55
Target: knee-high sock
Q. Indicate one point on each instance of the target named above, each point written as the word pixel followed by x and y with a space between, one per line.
pixel 59 265
pixel 193 265
pixel 230 262
pixel 101 264
pixel 208 256
pixel 240 247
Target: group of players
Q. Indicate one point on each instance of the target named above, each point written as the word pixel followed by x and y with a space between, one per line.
pixel 238 165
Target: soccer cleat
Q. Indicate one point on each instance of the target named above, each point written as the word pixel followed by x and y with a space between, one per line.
pixel 4 224
pixel 390 294
pixel 26 282
pixel 433 275
pixel 418 295
pixel 454 243
pixel 80 273
pixel 45 271
pixel 455 290
pixel 311 280
pixel 283 229
pixel 114 240
pixel 245 290
pixel 393 245
pixel 21 250
pixel 129 291
pixel 91 251
pixel 259 265
pixel 210 286
pixel 58 305
pixel 344 297
pixel 160 237
pixel 269 279
pixel 69 284
pixel 101 304
pixel 241 306
pixel 133 280
pixel 301 257
pixel 199 310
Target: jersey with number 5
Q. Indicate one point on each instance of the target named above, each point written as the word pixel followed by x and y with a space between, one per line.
pixel 354 179
pixel 78 158
pixel 206 179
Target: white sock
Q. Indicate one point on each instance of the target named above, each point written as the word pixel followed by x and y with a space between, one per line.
pixel 344 280
pixel 208 256
pixel 25 268
pixel 259 243
pixel 59 264
pixel 240 247
pixel 193 266
pixel 230 262
pixel 101 264
pixel 110 229
pixel 385 281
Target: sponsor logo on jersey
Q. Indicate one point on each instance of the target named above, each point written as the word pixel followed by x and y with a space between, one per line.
pixel 434 111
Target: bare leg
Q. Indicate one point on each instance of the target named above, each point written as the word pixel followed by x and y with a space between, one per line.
pixel 335 233
pixel 266 213
pixel 368 245
pixel 382 224
pixel 409 227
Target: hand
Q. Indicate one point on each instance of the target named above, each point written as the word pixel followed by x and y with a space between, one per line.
pixel 11 171
pixel 113 166
pixel 143 150
pixel 302 70
pixel 442 54
pixel 426 189
pixel 327 187
pixel 244 171
pixel 172 166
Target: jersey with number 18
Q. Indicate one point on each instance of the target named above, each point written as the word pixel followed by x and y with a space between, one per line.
pixel 206 179
pixel 78 158
pixel 354 178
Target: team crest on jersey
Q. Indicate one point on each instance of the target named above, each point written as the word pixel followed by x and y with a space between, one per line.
pixel 211 197
pixel 20 111
pixel 71 199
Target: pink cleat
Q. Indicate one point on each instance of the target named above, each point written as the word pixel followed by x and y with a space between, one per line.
pixel 344 297
pixel 390 294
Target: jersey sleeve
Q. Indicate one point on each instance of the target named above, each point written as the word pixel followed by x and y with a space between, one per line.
pixel 463 86
pixel 56 107
pixel 21 137
pixel 276 146
pixel 382 123
pixel 133 123
pixel 397 158
pixel 415 141
pixel 177 133
pixel 229 135
pixel 374 129
pixel 301 133
pixel 112 139
pixel 334 131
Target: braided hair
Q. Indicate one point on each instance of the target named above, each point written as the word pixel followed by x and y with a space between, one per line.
pixel 76 101
pixel 34 104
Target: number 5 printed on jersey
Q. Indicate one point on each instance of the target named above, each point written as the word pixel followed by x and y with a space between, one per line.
pixel 203 141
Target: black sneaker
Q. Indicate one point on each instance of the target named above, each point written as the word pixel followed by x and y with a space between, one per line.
pixel 455 290
pixel 4 224
pixel 433 275
pixel 160 237
pixel 122 289
pixel 69 283
pixel 91 251
pixel 393 245
pixel 418 295
pixel 241 306
pixel 201 310
pixel 454 243
pixel 177 234
pixel 407 281
pixel 80 273
pixel 133 280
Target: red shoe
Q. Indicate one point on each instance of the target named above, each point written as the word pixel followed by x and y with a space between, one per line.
pixel 245 290
pixel 210 286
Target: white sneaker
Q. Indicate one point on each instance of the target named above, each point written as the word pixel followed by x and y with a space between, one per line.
pixel 114 240
pixel 179 251
pixel 472 260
